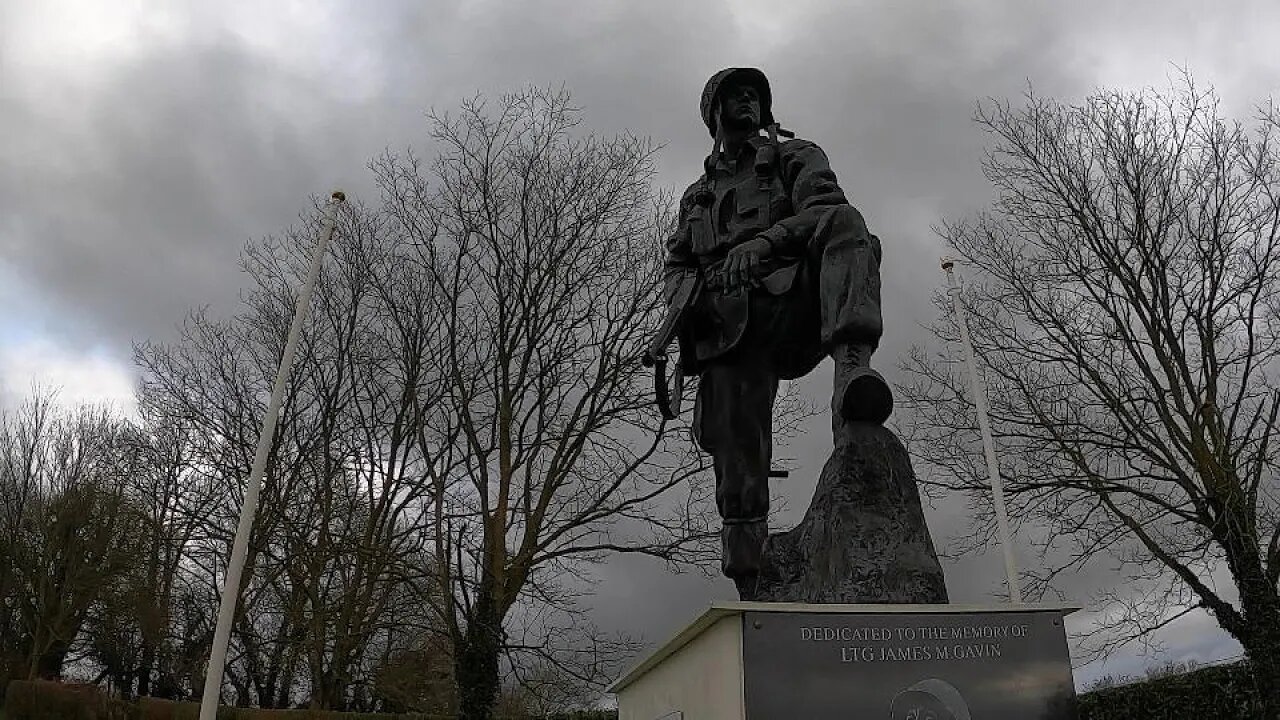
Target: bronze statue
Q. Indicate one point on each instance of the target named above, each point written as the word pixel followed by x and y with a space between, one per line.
pixel 770 270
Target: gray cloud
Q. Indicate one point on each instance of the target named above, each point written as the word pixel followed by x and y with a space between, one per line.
pixel 126 191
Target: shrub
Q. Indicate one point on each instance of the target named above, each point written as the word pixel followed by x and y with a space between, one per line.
pixel 157 709
pixel 45 700
pixel 48 700
pixel 1224 692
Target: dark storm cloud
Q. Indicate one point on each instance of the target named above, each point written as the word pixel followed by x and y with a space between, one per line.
pixel 139 201
pixel 125 199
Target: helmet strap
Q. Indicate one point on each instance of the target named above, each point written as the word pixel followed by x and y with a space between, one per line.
pixel 716 148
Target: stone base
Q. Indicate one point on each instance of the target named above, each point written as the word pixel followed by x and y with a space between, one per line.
pixel 863 538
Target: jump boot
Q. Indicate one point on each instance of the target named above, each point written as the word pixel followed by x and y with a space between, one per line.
pixel 861 394
pixel 742 547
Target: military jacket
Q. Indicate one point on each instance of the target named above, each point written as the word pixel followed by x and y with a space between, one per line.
pixel 778 192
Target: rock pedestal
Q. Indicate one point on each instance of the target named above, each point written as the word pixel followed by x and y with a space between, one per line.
pixel 863 538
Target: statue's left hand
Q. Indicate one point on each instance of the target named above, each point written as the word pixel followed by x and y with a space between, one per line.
pixel 742 264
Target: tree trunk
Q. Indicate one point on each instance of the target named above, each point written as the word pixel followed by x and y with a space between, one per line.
pixel 1257 627
pixel 144 668
pixel 47 665
pixel 1261 643
pixel 287 678
pixel 476 661
pixel 167 686
pixel 1264 668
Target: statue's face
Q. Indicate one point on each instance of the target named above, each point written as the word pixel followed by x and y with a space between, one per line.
pixel 740 107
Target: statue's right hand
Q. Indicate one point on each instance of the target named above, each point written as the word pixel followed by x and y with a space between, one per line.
pixel 742 264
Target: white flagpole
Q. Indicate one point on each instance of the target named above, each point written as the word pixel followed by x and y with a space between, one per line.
pixel 988 447
pixel 239 548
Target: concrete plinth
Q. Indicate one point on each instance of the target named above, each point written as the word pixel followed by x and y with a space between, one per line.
pixel 783 661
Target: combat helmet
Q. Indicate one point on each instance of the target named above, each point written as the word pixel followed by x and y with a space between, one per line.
pixel 711 93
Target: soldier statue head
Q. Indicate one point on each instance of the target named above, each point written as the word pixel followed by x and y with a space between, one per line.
pixel 738 99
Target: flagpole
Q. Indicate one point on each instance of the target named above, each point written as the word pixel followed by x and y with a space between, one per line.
pixel 988 447
pixel 240 547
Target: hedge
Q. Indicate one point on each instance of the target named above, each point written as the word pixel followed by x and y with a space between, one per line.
pixel 1224 692
pixel 154 709
pixel 47 700
pixel 191 711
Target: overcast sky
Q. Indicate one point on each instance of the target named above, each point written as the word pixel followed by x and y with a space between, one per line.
pixel 143 143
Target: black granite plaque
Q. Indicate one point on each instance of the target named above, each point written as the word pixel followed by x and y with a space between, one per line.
pixel 907 666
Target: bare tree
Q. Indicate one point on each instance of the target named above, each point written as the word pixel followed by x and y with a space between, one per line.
pixel 417 679
pixel 336 555
pixel 131 632
pixel 541 247
pixel 20 434
pixel 66 523
pixel 1123 296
